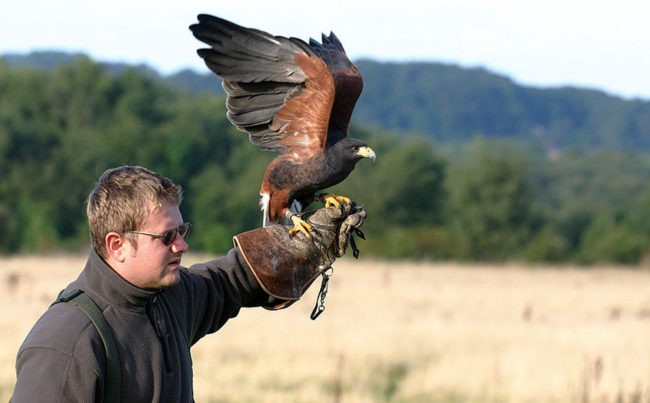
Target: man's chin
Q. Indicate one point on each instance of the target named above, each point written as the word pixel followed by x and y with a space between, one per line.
pixel 171 279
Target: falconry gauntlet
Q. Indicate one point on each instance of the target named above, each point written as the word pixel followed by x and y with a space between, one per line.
pixel 284 265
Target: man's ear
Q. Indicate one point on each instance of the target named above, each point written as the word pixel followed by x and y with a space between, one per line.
pixel 116 246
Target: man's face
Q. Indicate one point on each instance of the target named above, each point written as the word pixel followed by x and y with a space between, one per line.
pixel 154 264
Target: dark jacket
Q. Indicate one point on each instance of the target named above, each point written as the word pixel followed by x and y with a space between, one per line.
pixel 63 358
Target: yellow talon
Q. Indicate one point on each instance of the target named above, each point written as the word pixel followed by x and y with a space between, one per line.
pixel 332 200
pixel 300 225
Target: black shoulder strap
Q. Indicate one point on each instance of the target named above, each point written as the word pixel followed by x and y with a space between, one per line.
pixel 113 381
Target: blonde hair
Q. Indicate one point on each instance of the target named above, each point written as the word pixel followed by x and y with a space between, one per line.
pixel 121 201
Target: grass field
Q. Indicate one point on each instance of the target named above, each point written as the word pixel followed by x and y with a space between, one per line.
pixel 405 333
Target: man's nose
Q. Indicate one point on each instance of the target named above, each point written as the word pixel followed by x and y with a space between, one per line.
pixel 180 245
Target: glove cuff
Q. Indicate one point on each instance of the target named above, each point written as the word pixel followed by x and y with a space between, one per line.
pixel 283 266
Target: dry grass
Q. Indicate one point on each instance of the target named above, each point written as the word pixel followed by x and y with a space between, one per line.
pixel 405 332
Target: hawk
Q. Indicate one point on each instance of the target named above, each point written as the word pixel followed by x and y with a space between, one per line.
pixel 291 97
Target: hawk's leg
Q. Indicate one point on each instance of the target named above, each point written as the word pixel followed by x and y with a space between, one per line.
pixel 299 225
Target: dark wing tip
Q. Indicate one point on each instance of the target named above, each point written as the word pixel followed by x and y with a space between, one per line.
pixel 334 41
pixel 330 42
pixel 203 18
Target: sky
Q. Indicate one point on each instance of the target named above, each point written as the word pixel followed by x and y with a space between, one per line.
pixel 602 45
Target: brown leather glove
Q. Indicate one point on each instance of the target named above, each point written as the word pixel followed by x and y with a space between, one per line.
pixel 284 265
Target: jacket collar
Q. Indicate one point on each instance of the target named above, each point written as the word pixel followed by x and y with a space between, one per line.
pixel 106 287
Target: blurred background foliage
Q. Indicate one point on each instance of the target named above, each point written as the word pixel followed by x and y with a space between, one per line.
pixel 470 165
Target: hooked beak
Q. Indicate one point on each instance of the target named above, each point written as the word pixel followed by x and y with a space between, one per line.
pixel 366 152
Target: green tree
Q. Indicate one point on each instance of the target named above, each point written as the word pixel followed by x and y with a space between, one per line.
pixel 490 202
pixel 609 240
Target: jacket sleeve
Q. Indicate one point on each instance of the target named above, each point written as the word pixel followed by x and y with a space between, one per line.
pixel 49 368
pixel 210 293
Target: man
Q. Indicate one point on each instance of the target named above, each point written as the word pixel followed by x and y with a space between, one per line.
pixel 156 309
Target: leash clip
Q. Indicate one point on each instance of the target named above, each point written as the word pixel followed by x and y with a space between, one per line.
pixel 322 293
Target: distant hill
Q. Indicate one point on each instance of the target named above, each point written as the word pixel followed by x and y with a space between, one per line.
pixel 185 79
pixel 41 59
pixel 51 59
pixel 195 82
pixel 452 104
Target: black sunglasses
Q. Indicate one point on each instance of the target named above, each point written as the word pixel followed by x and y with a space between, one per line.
pixel 169 236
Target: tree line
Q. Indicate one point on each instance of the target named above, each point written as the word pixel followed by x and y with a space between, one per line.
pixel 483 199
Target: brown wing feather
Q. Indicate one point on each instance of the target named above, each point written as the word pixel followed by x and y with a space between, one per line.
pixel 305 117
pixel 347 81
pixel 279 90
